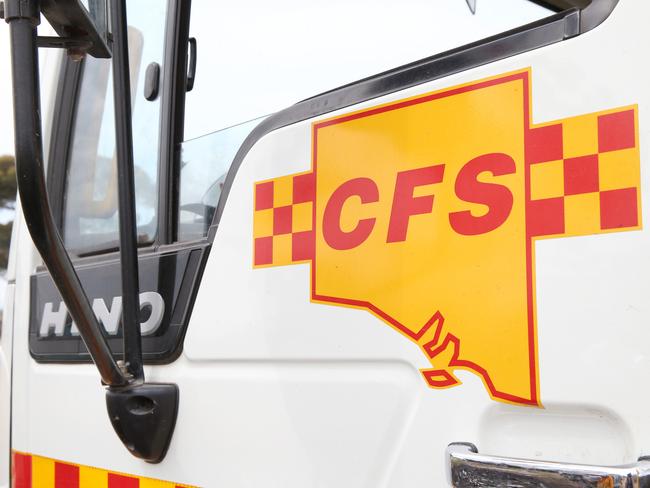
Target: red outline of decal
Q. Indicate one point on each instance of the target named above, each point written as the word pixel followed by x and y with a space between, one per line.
pixel 446 379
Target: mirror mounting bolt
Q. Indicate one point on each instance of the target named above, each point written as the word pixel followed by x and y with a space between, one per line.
pixel 76 54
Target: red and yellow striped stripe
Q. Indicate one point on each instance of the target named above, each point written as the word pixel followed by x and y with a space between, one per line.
pixel 30 471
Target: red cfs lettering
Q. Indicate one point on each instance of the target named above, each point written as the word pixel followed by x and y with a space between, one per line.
pixel 498 198
pixel 337 238
pixel 405 204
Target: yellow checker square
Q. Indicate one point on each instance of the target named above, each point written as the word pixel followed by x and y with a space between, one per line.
pixel 302 217
pixel 619 169
pixel 92 477
pixel 42 471
pixel 582 214
pixel 547 180
pixel 263 223
pixel 153 483
pixel 283 191
pixel 580 136
pixel 282 248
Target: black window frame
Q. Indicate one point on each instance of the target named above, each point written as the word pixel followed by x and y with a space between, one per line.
pixel 172 102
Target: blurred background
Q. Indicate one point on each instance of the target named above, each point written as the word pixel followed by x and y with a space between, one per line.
pixel 7 172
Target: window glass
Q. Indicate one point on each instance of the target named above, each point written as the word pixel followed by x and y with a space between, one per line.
pixel 204 165
pixel 258 57
pixel 90 208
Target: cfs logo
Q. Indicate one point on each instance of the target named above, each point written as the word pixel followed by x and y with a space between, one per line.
pixel 425 212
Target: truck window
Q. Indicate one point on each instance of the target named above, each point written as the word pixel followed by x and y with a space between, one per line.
pixel 90 219
pixel 256 58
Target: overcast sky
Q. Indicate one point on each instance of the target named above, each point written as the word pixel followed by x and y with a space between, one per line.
pixel 6 124
pixel 6 118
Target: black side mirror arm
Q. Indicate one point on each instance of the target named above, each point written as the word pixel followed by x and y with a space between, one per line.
pixel 23 18
pixel 126 193
pixel 143 415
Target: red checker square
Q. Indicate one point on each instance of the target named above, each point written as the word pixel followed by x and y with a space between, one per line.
pixel 616 131
pixel 66 475
pixel 282 220
pixel 263 251
pixel 264 195
pixel 544 144
pixel 22 470
pixel 302 245
pixel 618 208
pixel 120 481
pixel 581 175
pixel 545 217
pixel 304 188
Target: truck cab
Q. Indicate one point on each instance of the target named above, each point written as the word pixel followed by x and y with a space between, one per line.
pixel 234 265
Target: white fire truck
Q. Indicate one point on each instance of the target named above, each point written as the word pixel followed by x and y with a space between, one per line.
pixel 433 276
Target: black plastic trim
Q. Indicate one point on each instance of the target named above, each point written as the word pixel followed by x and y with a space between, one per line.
pixel 560 5
pixel 191 70
pixel 65 109
pixel 174 85
pixel 173 273
pixel 144 417
pixel 592 12
pixel 152 82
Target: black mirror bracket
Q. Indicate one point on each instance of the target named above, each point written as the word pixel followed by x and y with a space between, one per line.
pixel 143 415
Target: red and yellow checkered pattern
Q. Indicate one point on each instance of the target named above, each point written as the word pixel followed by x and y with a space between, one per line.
pixel 30 471
pixel 584 179
pixel 283 221
pixel 584 175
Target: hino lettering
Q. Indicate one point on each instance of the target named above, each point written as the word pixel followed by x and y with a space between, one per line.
pixel 54 319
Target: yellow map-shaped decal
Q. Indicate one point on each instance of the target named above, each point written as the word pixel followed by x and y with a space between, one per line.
pixel 425 211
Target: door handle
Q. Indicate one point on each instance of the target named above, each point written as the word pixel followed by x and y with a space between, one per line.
pixel 466 468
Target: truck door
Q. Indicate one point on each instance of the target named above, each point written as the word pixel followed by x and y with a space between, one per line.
pixel 447 252
pixel 405 281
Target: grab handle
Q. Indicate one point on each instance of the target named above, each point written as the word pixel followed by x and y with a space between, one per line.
pixel 466 468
